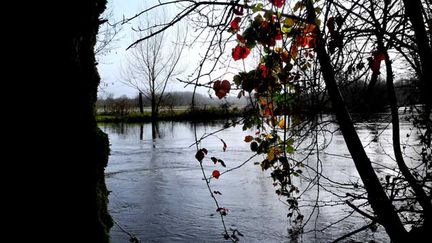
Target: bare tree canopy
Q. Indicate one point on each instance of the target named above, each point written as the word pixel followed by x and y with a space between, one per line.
pixel 154 62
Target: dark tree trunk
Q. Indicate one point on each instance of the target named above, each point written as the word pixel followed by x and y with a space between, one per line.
pixel 141 103
pixel 420 194
pixel 413 9
pixel 154 109
pixel 65 196
pixel 89 155
pixel 155 130
pixel 370 91
pixel 378 199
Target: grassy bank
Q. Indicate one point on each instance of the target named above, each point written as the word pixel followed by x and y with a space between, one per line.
pixel 175 115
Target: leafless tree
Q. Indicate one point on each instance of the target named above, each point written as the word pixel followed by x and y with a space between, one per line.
pixel 106 39
pixel 108 34
pixel 153 62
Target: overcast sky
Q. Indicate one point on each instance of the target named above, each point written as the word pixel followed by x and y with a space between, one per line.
pixel 110 65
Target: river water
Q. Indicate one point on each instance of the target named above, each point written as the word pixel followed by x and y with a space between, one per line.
pixel 158 195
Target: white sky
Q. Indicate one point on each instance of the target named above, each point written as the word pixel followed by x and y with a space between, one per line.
pixel 110 65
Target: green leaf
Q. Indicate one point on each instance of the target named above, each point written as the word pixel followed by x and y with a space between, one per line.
pixel 257 7
pixel 289 149
pixel 237 80
pixel 290 141
pixel 286 30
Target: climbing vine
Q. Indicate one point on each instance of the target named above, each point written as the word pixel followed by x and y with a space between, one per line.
pixel 285 44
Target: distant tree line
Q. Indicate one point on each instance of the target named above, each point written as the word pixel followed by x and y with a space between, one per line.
pixel 124 105
pixel 360 98
pixel 357 97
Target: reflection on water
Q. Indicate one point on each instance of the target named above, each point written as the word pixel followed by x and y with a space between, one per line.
pixel 157 192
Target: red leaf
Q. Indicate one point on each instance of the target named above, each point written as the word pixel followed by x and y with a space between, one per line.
pixel 272 42
pixel 217 192
pixel 278 35
pixel 246 52
pixel 235 24
pixel 285 57
pixel 248 138
pixel 265 25
pixel 214 160
pixel 375 62
pixel 240 52
pixel 237 53
pixel 264 70
pixel 379 56
pixel 278 3
pixel 204 151
pixel 309 41
pixel 241 39
pixel 310 28
pixel 226 86
pixel 220 93
pixel 267 112
pixel 221 88
pixel 216 85
pixel 216 174
pixel 299 40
